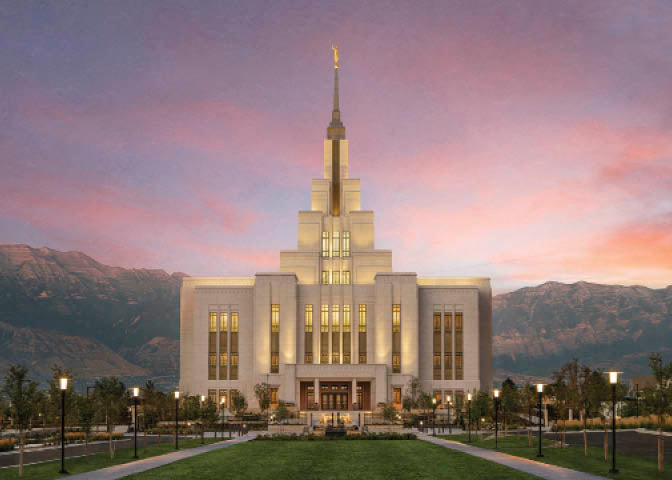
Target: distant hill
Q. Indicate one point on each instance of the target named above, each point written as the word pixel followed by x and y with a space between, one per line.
pixel 66 308
pixel 65 305
pixel 537 329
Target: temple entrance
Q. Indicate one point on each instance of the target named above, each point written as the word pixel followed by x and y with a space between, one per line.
pixel 335 396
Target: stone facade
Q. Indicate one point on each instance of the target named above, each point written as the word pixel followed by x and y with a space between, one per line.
pixel 335 267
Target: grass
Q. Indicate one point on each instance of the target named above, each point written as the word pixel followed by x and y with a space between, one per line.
pixel 337 459
pixel 630 467
pixel 49 470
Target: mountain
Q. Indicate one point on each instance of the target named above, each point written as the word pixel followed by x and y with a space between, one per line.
pixel 537 329
pixel 113 318
pixel 66 308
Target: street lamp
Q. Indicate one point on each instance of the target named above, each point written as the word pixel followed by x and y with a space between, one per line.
pixel 201 415
pixel 496 394
pixel 434 416
pixel 469 406
pixel 450 431
pixel 63 386
pixel 177 411
pixel 540 391
pixel 136 394
pixel 421 428
pixel 222 402
pixel 613 380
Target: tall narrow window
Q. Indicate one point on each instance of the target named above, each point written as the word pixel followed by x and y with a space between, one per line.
pixel 396 397
pixel 335 334
pixel 448 346
pixel 362 333
pixel 223 399
pixel 437 345
pixel 324 334
pixel 346 277
pixel 223 344
pixel 325 244
pixel 325 277
pixel 274 397
pixel 337 278
pixel 212 396
pixel 346 244
pixel 459 346
pixel 308 330
pixel 336 245
pixel 347 327
pixel 212 346
pixel 233 368
pixel 396 338
pixel 275 338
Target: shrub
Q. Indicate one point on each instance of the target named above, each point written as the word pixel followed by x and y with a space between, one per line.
pixel 320 438
pixel 7 444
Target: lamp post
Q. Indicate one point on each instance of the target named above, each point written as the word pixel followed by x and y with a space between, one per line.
pixel 637 398
pixel 613 380
pixel 63 385
pixel 421 428
pixel 201 415
pixel 540 391
pixel 434 416
pixel 496 394
pixel 222 402
pixel 448 401
pixel 469 407
pixel 136 394
pixel 177 411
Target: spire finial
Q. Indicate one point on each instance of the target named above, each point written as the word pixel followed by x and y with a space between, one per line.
pixel 336 130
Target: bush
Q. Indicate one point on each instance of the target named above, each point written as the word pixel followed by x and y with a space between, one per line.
pixel 7 444
pixel 320 438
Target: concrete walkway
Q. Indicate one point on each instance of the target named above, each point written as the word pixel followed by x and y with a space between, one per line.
pixel 125 469
pixel 541 470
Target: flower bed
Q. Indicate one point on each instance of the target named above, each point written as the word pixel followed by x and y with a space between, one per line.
pixel 650 423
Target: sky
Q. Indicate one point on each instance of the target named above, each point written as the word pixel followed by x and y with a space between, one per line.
pixel 524 141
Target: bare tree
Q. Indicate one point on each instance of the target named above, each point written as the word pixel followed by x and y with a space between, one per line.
pixel 21 393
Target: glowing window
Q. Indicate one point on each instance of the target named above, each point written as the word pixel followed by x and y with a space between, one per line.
pixel 335 245
pixel 223 321
pixel 346 318
pixel 334 318
pixel 346 244
pixel 346 277
pixel 308 318
pixel 324 319
pixel 362 318
pixel 325 277
pixel 396 318
pixel 275 318
pixel 213 322
pixel 234 322
pixel 325 244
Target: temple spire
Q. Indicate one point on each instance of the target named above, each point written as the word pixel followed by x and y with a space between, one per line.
pixel 336 129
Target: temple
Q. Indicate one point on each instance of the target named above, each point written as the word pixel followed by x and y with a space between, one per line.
pixel 336 329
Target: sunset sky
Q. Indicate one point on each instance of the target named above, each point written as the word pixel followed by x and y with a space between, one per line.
pixel 525 141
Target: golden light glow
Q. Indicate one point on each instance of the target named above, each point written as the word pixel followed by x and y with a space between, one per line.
pixel 202 398
pixel 177 394
pixel 496 392
pixel 335 49
pixel 469 397
pixel 540 387
pixel 63 383
pixel 613 378
pixel 136 392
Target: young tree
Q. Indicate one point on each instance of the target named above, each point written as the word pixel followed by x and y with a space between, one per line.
pixel 412 395
pixel 660 398
pixel 21 393
pixel 282 412
pixel 389 412
pixel 209 413
pixel 510 401
pixel 530 401
pixel 152 407
pixel 86 410
pixel 112 399
pixel 263 393
pixel 238 404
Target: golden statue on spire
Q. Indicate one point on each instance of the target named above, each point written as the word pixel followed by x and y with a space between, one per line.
pixel 335 49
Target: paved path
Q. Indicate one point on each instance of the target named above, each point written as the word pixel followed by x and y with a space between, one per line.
pixel 541 470
pixel 125 469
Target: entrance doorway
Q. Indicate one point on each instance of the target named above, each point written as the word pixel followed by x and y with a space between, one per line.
pixel 335 396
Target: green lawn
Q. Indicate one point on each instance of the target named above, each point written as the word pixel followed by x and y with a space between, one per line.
pixel 49 470
pixel 630 467
pixel 337 459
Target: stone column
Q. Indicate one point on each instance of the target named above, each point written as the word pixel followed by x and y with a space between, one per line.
pixel 316 386
pixel 353 397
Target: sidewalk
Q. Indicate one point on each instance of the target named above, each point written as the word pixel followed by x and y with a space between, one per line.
pixel 541 470
pixel 125 469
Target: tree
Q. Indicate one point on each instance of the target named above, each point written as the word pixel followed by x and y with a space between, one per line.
pixel 209 412
pixel 660 398
pixel 263 393
pixel 112 399
pixel 412 395
pixel 21 393
pixel 86 410
pixel 190 408
pixel 238 404
pixel 389 412
pixel 281 412
pixel 510 401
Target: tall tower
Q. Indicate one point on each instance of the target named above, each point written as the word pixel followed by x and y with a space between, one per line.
pixel 335 133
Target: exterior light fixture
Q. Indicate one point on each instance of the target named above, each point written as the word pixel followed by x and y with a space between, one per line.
pixel 540 391
pixel 63 386
pixel 496 394
pixel 177 412
pixel 135 393
pixel 613 380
